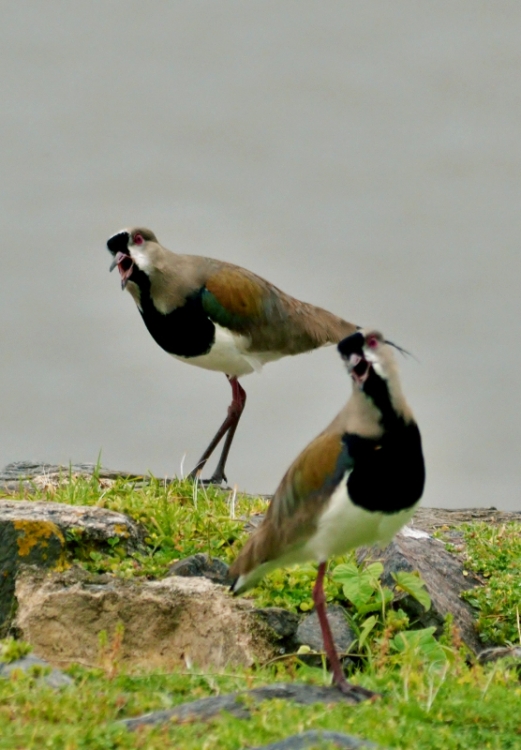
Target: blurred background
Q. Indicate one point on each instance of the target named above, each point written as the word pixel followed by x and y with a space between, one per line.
pixel 363 156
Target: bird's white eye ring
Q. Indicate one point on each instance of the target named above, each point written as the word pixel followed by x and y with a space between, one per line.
pixel 372 342
pixel 138 239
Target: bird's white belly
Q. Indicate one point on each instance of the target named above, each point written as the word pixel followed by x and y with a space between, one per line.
pixel 344 526
pixel 230 354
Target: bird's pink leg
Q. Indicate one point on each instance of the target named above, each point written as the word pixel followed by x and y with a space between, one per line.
pixel 227 428
pixel 356 692
pixel 236 408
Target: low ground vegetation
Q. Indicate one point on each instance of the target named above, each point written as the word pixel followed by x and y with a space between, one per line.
pixel 434 694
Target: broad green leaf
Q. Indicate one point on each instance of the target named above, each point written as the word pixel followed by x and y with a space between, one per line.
pixel 374 570
pixel 359 585
pixel 381 595
pixel 413 585
pixel 419 644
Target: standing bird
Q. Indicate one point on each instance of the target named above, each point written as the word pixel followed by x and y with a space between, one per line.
pixel 218 316
pixel 357 483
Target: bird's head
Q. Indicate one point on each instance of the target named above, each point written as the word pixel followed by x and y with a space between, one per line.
pixel 372 366
pixel 133 248
pixel 366 352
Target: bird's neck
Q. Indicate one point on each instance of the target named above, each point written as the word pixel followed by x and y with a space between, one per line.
pixel 387 397
pixel 377 408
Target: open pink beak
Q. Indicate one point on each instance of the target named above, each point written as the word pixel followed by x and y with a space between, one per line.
pixel 358 368
pixel 125 265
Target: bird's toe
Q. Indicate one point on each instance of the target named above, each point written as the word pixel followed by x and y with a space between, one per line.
pixel 356 693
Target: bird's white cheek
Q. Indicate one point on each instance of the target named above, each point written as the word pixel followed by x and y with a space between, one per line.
pixel 377 367
pixel 141 260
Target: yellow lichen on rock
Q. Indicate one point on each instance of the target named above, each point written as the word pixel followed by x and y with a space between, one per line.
pixel 35 533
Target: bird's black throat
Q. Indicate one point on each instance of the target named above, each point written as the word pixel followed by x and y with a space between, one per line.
pixel 186 331
pixel 388 473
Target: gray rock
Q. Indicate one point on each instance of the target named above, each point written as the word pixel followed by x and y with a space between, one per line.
pixel 443 575
pixel 25 474
pixel 23 540
pixel 309 633
pixel 42 533
pixel 430 519
pixel 55 678
pixel 165 624
pixel 284 625
pixel 281 621
pixel 204 709
pixel 200 710
pixel 200 565
pixel 501 652
pixel 317 739
pixel 89 523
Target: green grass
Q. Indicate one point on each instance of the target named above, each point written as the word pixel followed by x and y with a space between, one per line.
pixel 179 522
pixel 455 710
pixel 432 699
pixel 494 552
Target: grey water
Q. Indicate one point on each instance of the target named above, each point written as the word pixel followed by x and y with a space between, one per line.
pixel 363 156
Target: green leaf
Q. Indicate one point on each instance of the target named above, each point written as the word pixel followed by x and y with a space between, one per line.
pixel 366 629
pixel 358 585
pixel 380 596
pixel 412 584
pixel 419 644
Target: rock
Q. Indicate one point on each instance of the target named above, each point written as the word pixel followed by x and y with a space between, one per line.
pixel 53 677
pixel 443 575
pixel 281 621
pixel 206 708
pixel 200 565
pixel 283 625
pixel 315 739
pixel 88 523
pixel 501 652
pixel 310 634
pixel 430 519
pixel 28 474
pixel 31 540
pixel 168 623
pixel 41 533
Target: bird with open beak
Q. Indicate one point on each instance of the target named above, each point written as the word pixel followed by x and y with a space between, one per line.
pixel 357 483
pixel 217 316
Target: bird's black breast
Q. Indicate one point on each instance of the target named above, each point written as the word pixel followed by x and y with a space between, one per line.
pixel 388 474
pixel 186 331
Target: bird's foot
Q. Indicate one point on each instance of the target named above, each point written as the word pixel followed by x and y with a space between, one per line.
pixel 221 484
pixel 218 477
pixel 357 693
pixel 216 480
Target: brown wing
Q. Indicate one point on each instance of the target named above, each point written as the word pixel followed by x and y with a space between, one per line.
pixel 243 302
pixel 292 515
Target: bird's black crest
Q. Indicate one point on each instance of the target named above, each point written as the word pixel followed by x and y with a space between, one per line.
pixel 352 344
pixel 119 243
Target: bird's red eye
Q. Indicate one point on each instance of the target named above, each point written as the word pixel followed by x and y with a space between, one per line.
pixel 138 239
pixel 372 342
